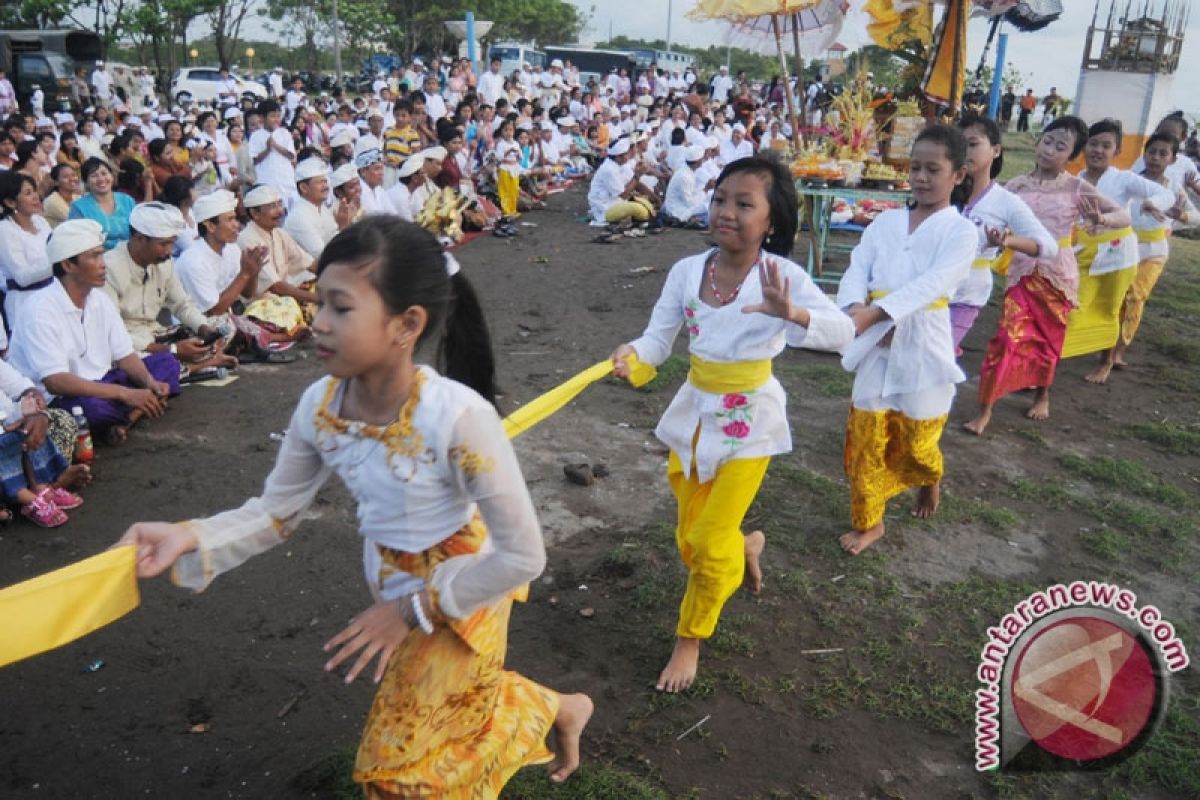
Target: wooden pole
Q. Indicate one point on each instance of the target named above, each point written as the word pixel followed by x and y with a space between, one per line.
pixel 799 69
pixel 787 85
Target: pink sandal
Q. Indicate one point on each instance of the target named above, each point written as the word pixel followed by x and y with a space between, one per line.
pixel 43 512
pixel 62 498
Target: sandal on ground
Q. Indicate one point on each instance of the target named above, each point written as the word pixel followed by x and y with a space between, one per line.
pixel 62 498
pixel 42 512
pixel 265 357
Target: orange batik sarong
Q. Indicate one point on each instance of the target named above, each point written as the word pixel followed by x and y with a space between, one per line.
pixel 887 453
pixel 1028 343
pixel 448 720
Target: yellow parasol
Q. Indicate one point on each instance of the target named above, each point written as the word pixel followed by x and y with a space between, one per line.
pixel 742 10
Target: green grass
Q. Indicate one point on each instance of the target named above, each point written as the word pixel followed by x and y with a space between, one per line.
pixel 670 374
pixel 591 781
pixel 1126 475
pixel 824 380
pixel 1181 440
pixel 955 510
pixel 1018 154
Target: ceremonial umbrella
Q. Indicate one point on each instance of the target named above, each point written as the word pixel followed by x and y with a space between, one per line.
pixel 815 27
pixel 772 10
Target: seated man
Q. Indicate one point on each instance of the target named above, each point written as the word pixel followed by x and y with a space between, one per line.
pixel 140 279
pixel 74 343
pixel 347 193
pixel 409 176
pixel 311 222
pixel 218 275
pixel 617 195
pixel 368 160
pixel 686 205
pixel 288 266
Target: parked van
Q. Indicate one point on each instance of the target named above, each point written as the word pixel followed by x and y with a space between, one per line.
pixel 47 59
pixel 513 54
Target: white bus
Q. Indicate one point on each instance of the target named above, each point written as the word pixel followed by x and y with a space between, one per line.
pixel 513 54
pixel 667 60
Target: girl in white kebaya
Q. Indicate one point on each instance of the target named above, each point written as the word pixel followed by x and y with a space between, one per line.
pixel 741 303
pixel 450 537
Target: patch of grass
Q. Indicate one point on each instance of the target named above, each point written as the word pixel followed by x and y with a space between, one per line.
pixel 825 380
pixel 1182 440
pixel 1106 543
pixel 593 781
pixel 1124 474
pixel 670 374
pixel 961 510
pixel 1171 759
pixel 330 776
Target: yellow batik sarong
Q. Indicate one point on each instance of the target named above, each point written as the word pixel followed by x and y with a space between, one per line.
pixel 508 187
pixel 708 533
pixel 1148 273
pixel 448 720
pixel 1095 322
pixel 887 453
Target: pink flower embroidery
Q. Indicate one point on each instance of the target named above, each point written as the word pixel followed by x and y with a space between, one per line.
pixel 735 400
pixel 694 330
pixel 736 430
pixel 689 313
pixel 1115 243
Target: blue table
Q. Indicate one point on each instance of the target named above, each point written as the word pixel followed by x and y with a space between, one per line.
pixel 816 210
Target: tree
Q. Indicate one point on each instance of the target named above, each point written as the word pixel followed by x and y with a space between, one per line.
pixel 227 17
pixel 33 13
pixel 155 27
pixel 306 17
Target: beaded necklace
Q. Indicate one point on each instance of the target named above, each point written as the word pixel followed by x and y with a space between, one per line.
pixel 712 282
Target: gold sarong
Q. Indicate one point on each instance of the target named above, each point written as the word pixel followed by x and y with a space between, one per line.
pixel 886 453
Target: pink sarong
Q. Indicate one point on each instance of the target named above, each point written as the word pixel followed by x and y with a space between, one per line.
pixel 1025 351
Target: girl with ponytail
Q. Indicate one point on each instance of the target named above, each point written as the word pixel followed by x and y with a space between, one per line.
pixel 450 534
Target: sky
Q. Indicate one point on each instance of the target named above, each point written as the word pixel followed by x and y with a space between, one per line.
pixel 1050 56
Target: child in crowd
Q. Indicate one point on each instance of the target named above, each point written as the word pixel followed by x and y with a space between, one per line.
pixel 1042 290
pixel 451 536
pixel 1002 220
pixel 897 290
pixel 741 302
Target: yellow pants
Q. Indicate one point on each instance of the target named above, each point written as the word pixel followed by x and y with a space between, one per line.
pixel 709 536
pixel 1148 273
pixel 1095 323
pixel 637 209
pixel 885 454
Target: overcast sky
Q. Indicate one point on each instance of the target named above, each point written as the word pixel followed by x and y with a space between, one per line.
pixel 1052 55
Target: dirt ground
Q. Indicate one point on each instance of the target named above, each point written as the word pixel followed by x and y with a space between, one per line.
pixel 1107 488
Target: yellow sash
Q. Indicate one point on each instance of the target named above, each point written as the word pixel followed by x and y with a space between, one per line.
pixel 940 303
pixel 1152 235
pixel 51 610
pixel 717 377
pixel 1091 241
pixel 985 263
pixel 538 409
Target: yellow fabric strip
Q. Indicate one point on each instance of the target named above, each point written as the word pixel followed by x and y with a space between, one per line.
pixel 59 607
pixel 1094 240
pixel 717 377
pixel 552 401
pixel 941 302
pixel 1152 235
pixel 985 263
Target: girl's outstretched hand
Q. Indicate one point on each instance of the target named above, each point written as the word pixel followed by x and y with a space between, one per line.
pixel 378 630
pixel 776 291
pixel 159 544
pixel 620 359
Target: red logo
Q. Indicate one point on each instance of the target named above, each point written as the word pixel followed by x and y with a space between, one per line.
pixel 1084 688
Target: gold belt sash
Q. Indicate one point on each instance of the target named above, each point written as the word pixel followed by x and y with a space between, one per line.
pixel 1152 235
pixel 936 305
pixel 716 377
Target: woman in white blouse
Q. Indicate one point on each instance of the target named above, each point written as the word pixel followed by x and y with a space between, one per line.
pixel 23 235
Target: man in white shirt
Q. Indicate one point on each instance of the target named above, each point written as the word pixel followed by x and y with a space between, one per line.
pixel 287 266
pixel 409 176
pixel 310 221
pixel 379 84
pixel 435 106
pixel 722 84
pixel 101 86
pixel 611 196
pixel 550 84
pixel 737 146
pixel 491 83
pixel 276 81
pixel 271 149
pixel 227 88
pixel 74 344
pixel 528 79
pixel 295 96
pixel 368 160
pixel 685 202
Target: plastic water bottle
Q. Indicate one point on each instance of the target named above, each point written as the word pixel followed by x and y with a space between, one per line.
pixel 84 452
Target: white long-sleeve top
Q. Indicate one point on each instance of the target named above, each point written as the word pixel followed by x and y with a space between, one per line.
pixel 23 261
pixel 1145 225
pixel 413 489
pixel 685 195
pixel 1001 209
pixel 915 271
pixel 1131 190
pixel 746 424
pixel 311 226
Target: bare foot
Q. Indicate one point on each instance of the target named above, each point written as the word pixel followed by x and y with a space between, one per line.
pixel 855 542
pixel 574 711
pixel 928 500
pixel 680 671
pixel 117 434
pixel 218 360
pixel 1100 373
pixel 1040 409
pixel 978 425
pixel 755 542
pixel 74 476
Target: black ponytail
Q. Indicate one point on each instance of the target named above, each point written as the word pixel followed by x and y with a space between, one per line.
pixel 408 269
pixel 465 350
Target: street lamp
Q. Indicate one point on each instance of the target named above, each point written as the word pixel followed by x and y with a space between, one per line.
pixel 250 56
pixel 194 54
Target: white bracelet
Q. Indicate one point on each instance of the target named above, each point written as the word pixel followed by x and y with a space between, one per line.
pixel 419 610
